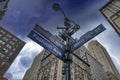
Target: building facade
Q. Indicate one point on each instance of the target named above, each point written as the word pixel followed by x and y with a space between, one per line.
pixel 111 12
pixel 100 53
pixel 10 46
pixel 97 70
pixel 3 7
pixel 47 67
pixel 50 68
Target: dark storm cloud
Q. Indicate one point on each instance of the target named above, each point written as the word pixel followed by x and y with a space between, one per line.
pixel 87 12
pixel 20 13
pixel 75 10
pixel 80 6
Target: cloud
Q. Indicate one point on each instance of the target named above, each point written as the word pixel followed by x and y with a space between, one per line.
pixel 23 60
pixel 30 50
pixel 9 75
pixel 116 62
pixel 22 15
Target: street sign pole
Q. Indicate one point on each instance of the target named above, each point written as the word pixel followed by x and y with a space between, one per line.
pixel 56 47
pixel 67 69
pixel 72 47
pixel 68 61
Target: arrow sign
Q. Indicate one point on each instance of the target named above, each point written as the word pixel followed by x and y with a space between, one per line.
pixel 46 44
pixel 49 36
pixel 86 37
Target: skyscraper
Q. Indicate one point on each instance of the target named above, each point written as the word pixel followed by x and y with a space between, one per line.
pixel 3 7
pixel 100 53
pixel 111 12
pixel 97 70
pixel 10 47
pixel 47 67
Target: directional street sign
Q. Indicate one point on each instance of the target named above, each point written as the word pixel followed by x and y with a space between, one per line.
pixel 86 37
pixel 65 36
pixel 46 44
pixel 56 47
pixel 49 36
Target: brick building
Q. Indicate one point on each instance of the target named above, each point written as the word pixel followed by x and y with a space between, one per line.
pixel 10 46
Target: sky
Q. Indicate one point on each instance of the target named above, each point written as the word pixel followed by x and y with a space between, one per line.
pixel 23 15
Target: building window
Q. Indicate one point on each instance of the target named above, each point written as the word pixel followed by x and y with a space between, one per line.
pixel 11 54
pixel 3 32
pixel 14 39
pixel 8 35
pixel 97 44
pixel 45 78
pixel 17 45
pixel 2 42
pixel 5 38
pixel 2 63
pixel 7 57
pixel 19 42
pixel 81 50
pixel 8 46
pixel 5 50
pixel 12 42
pixel 14 49
pixel 1 55
pixel 92 48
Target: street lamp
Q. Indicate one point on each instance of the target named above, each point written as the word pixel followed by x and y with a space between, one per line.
pixel 69 29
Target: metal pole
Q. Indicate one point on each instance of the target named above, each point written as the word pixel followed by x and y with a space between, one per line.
pixel 69 29
pixel 67 68
pixel 68 61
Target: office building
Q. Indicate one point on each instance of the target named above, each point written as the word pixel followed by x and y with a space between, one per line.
pixel 10 46
pixel 111 12
pixel 47 67
pixel 100 53
pixel 3 7
pixel 97 70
